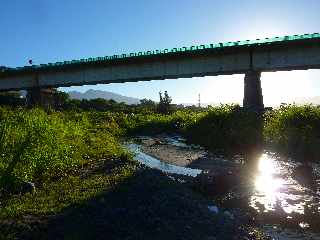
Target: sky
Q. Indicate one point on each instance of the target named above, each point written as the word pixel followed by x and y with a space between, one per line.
pixel 50 30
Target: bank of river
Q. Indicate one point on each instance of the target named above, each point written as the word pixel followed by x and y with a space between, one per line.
pixel 283 207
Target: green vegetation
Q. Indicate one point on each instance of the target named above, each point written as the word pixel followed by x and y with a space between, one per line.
pixel 226 129
pixel 11 98
pixel 75 159
pixel 164 104
pixel 81 172
pixel 38 146
pixel 294 131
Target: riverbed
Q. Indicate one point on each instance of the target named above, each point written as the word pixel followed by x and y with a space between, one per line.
pixel 284 208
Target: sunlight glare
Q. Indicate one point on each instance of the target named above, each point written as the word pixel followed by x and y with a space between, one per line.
pixel 265 181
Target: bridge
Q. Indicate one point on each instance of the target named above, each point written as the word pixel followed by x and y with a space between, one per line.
pixel 250 57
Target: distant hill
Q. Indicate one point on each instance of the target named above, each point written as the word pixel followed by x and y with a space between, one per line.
pixel 213 104
pixel 307 100
pixel 92 94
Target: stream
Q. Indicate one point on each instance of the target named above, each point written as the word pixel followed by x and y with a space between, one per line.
pixel 287 209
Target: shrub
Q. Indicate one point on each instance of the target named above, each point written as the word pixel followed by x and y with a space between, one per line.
pixel 294 131
pixel 37 146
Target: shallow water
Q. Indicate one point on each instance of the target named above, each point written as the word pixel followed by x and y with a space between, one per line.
pixel 157 164
pixel 273 190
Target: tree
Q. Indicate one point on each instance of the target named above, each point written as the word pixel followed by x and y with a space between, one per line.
pixel 147 105
pixel 61 99
pixel 147 102
pixel 164 104
pixel 12 98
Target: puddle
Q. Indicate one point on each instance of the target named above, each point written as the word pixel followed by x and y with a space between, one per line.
pixel 157 164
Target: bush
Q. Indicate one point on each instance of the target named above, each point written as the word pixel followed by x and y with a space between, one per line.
pixel 294 131
pixel 227 129
pixel 37 146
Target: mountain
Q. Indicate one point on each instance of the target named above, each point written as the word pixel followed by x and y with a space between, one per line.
pixel 307 100
pixel 92 94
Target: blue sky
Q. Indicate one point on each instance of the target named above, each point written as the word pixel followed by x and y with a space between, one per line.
pixel 51 30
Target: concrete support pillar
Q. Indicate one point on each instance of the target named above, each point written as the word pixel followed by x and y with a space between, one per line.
pixel 41 97
pixel 253 99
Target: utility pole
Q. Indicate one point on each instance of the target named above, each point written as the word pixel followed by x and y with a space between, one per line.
pixel 199 102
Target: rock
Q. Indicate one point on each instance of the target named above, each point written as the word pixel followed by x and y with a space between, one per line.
pixel 213 209
pixel 211 238
pixel 158 142
pixel 27 187
pixel 217 182
pixel 304 174
pixel 228 214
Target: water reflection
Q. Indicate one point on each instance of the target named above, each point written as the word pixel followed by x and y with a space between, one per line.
pixel 275 190
pixel 266 180
pixel 157 164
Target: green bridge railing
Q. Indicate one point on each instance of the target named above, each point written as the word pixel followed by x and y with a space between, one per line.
pixel 249 43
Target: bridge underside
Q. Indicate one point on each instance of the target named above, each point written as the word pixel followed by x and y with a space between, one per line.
pixel 248 60
pixel 253 98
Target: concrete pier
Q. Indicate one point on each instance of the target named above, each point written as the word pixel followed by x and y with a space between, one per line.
pixel 41 97
pixel 299 52
pixel 253 98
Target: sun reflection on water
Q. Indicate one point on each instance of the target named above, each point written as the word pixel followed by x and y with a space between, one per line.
pixel 273 191
pixel 266 181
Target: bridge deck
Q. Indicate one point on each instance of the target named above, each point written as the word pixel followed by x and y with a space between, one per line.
pixel 199 49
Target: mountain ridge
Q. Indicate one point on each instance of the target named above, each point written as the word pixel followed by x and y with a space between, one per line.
pixel 92 94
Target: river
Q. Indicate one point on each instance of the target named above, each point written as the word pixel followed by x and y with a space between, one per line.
pixel 287 209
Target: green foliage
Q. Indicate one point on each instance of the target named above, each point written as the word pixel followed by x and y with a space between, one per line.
pixel 37 146
pixel 146 105
pixel 226 129
pixel 164 104
pixel 294 131
pixel 11 98
pixel 73 189
pixel 291 130
pixel 61 98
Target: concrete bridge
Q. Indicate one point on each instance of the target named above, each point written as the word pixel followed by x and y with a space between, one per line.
pixel 250 57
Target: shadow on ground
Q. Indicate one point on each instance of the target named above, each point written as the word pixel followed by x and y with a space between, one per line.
pixel 147 205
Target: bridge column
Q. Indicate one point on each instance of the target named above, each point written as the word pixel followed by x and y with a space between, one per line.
pixel 253 98
pixel 41 97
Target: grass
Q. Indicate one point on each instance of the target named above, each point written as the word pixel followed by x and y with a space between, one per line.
pixel 291 130
pixel 77 163
pixel 81 172
pixel 83 184
pixel 37 146
pixel 71 157
pixel 294 131
pixel 226 129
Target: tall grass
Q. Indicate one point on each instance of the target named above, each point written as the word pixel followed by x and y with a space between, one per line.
pixel 38 146
pixel 227 129
pixel 290 130
pixel 294 131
